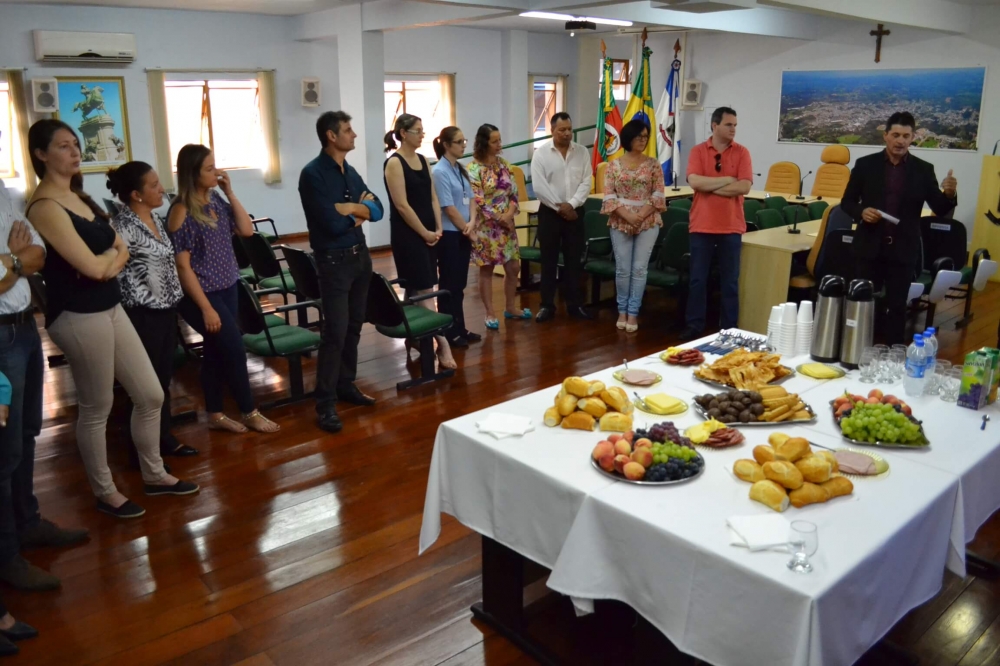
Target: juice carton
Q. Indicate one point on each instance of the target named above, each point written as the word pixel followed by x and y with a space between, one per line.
pixel 995 355
pixel 977 377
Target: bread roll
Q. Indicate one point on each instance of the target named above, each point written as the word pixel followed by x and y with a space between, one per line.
pixel 566 405
pixel 770 494
pixel 577 386
pixel 815 469
pixel 593 406
pixel 838 486
pixel 578 421
pixel 832 459
pixel 763 454
pixel 595 388
pixel 809 493
pixel 748 470
pixel 792 449
pixel 780 471
pixel 777 438
pixel 552 417
pixel 616 422
pixel 615 398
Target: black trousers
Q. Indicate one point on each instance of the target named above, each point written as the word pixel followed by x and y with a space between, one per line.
pixel 454 251
pixel 558 235
pixel 158 331
pixel 896 277
pixel 344 276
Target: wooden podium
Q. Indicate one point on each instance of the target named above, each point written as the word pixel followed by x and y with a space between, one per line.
pixel 986 230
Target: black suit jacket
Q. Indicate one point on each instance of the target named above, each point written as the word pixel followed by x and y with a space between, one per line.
pixel 866 189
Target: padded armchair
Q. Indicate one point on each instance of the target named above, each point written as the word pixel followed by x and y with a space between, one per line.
pixel 750 208
pixel 305 274
pixel 598 256
pixel 816 209
pixel 784 177
pixel 943 237
pixel 795 215
pixel 522 186
pixel 775 203
pixel 257 222
pixel 768 218
pixel 684 204
pixel 831 177
pixel 599 178
pixel 401 319
pixel 671 268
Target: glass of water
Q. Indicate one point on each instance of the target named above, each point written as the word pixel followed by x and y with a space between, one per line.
pixel 803 542
pixel 951 383
pixel 868 365
pixel 936 380
pixel 886 371
pixel 897 358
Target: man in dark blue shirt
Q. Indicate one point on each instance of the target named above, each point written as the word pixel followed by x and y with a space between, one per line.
pixel 337 202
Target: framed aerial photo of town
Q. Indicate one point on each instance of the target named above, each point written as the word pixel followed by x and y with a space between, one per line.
pixel 851 106
pixel 95 108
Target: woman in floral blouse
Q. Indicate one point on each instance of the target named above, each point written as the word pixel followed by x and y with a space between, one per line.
pixel 149 284
pixel 633 199
pixel 494 240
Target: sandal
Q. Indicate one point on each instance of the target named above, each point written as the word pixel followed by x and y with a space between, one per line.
pixel 264 424
pixel 227 424
pixel 492 323
pixel 525 314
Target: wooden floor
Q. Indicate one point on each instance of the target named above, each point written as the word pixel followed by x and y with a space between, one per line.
pixel 302 547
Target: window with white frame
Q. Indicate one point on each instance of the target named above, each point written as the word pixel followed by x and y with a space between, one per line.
pixel 424 98
pixel 621 78
pixel 221 114
pixel 7 169
pixel 546 102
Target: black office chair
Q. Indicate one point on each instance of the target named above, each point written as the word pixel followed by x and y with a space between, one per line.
pixel 305 274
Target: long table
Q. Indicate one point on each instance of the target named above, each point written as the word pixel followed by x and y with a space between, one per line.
pixel 665 551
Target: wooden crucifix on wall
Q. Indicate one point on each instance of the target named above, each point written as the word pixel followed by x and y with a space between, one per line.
pixel 878 35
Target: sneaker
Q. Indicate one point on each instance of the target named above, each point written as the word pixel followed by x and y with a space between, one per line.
pixel 47 534
pixel 24 575
pixel 179 488
pixel 127 510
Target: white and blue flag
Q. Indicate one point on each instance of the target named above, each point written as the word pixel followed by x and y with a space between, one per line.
pixel 666 113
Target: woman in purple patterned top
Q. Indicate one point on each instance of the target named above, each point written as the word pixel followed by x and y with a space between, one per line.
pixel 201 227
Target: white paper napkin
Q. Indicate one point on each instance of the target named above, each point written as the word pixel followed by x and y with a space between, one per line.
pixel 759 532
pixel 505 425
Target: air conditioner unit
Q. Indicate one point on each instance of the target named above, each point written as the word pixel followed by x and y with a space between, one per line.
pixel 691 94
pixel 87 47
pixel 45 95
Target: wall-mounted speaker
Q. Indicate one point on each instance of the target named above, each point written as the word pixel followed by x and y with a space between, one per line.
pixel 311 95
pixel 691 94
pixel 45 95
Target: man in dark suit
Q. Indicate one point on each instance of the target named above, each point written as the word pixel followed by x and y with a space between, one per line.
pixel 893 183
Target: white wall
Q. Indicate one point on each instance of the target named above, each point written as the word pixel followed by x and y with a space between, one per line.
pixel 183 39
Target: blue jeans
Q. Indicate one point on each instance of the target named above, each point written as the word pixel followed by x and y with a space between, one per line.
pixel 21 360
pixel 631 261
pixel 703 247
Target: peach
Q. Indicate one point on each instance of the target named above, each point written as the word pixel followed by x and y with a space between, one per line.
pixel 843 408
pixel 634 471
pixel 643 443
pixel 873 401
pixel 614 438
pixel 602 449
pixel 857 398
pixel 875 393
pixel 620 462
pixel 890 400
pixel 643 456
pixel 629 436
pixel 907 410
pixel 842 400
pixel 607 462
pixel 622 447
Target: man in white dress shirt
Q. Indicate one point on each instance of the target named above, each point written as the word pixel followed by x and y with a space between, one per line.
pixel 561 176
pixel 21 526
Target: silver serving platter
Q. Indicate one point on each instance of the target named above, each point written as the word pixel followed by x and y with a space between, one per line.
pixel 727 387
pixel 619 477
pixel 700 411
pixel 923 443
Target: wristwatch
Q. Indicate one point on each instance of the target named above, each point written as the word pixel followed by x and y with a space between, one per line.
pixel 15 263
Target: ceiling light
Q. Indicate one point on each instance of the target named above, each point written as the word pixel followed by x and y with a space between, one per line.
pixel 567 17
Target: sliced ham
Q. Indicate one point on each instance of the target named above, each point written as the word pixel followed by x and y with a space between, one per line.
pixel 855 463
pixel 639 377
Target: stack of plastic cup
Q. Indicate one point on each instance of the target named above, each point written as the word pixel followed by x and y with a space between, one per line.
pixel 787 328
pixel 773 333
pixel 804 328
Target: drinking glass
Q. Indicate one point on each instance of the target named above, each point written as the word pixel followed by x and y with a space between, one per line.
pixel 898 361
pixel 803 542
pixel 868 365
pixel 886 374
pixel 951 383
pixel 936 380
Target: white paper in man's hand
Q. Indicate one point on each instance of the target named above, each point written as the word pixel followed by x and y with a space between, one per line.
pixel 888 218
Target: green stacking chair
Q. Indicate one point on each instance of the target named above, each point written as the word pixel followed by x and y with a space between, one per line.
pixel 598 255
pixel 768 218
pixel 750 208
pixel 681 203
pixel 816 209
pixel 673 215
pixel 270 237
pixel 671 267
pixel 795 214
pixel 243 261
pixel 775 203
pixel 305 274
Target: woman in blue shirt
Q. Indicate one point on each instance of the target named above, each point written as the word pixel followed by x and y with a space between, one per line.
pixel 454 193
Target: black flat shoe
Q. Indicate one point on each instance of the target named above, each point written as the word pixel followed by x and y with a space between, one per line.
pixel 356 397
pixel 472 337
pixel 7 649
pixel 581 313
pixel 179 488
pixel 545 314
pixel 458 342
pixel 21 631
pixel 127 510
pixel 329 422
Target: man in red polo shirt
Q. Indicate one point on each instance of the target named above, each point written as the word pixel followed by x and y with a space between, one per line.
pixel 720 173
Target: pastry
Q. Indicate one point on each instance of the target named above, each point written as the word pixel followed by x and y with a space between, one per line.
pixel 809 493
pixel 832 459
pixel 748 470
pixel 593 406
pixel 577 386
pixel 770 494
pixel 615 398
pixel 552 417
pixel 578 421
pixel 815 469
pixel 778 471
pixel 615 422
pixel 566 405
pixel 839 485
pixel 792 449
pixel 595 388
pixel 777 438
pixel 763 454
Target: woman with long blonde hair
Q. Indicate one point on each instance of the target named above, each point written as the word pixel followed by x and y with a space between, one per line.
pixel 201 225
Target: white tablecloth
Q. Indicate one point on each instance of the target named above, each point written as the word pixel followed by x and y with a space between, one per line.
pixel 666 552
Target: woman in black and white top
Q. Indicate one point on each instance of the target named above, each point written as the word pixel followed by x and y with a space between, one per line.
pixel 149 284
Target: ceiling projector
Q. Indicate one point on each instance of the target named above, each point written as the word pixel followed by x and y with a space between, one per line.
pixel 573 26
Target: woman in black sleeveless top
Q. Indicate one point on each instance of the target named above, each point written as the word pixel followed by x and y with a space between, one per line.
pixel 85 318
pixel 414 216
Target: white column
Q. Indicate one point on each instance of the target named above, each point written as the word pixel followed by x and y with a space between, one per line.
pixel 514 82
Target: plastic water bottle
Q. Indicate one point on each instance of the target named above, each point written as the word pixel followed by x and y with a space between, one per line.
pixel 916 364
pixel 931 348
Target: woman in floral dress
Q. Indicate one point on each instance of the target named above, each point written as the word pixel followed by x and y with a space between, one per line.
pixel 633 199
pixel 494 240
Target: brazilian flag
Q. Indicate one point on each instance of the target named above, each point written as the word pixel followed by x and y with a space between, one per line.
pixel 640 104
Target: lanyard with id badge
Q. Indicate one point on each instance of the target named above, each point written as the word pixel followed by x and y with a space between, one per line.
pixel 465 184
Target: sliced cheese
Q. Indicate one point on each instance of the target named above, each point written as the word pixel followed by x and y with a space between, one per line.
pixel 663 403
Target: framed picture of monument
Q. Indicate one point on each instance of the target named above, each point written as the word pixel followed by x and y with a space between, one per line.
pixel 95 108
